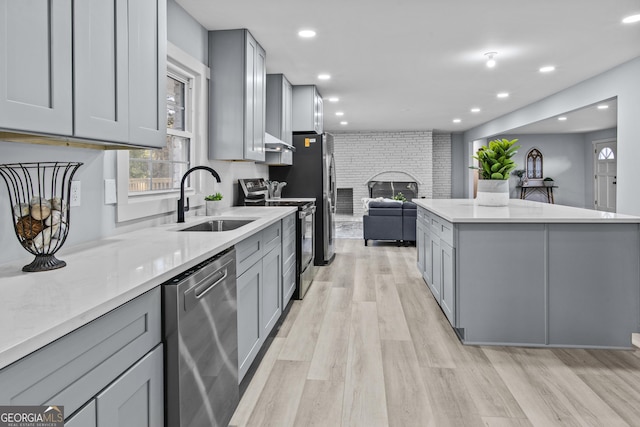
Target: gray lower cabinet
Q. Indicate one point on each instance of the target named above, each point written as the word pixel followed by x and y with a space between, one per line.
pixel 259 291
pixel 93 69
pixel 289 264
pixel 113 352
pixel 36 74
pixel 436 260
pixel 136 398
pixel 237 96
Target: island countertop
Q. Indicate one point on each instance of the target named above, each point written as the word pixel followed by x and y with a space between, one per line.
pixel 518 211
pixel 38 308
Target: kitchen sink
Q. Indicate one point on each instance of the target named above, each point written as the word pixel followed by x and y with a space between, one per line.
pixel 219 225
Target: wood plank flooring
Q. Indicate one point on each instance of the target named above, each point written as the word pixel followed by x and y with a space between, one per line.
pixel 369 346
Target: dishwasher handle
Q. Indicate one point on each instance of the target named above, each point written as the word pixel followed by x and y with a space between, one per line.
pixel 200 289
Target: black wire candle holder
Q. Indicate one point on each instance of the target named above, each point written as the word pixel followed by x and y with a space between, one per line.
pixel 39 197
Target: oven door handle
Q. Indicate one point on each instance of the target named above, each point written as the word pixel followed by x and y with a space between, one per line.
pixel 305 213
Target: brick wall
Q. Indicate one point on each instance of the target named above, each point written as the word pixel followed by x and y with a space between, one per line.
pixel 392 156
pixel 441 166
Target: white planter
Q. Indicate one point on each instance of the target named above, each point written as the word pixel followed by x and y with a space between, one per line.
pixel 212 207
pixel 493 192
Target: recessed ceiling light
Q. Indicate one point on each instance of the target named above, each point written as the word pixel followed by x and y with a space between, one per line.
pixel 562 119
pixel 334 99
pixel 339 113
pixel 491 62
pixel 307 34
pixel 631 19
pixel 344 123
pixel 547 69
pixel 602 107
pixel 324 76
pixel 503 95
pixel 457 120
pixel 475 110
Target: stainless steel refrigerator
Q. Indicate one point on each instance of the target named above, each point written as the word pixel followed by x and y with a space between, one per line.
pixel 313 175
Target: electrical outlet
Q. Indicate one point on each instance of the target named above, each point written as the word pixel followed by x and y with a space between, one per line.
pixel 75 193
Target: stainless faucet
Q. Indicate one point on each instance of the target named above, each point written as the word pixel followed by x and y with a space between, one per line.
pixel 181 207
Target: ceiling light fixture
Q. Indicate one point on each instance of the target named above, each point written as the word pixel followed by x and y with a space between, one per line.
pixel 475 110
pixel 602 107
pixel 324 76
pixel 339 113
pixel 503 95
pixel 547 69
pixel 631 19
pixel 491 62
pixel 562 118
pixel 457 120
pixel 306 34
pixel 344 123
pixel 334 99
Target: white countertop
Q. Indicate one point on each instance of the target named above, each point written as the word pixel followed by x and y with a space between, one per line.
pixel 38 308
pixel 518 211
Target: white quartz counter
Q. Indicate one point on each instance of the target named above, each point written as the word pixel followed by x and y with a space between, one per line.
pixel 518 211
pixel 38 308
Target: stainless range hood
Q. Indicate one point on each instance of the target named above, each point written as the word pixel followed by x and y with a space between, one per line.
pixel 277 152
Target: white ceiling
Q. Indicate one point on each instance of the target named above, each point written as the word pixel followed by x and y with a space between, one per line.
pixel 418 64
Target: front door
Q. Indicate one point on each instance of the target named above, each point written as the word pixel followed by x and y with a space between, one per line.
pixel 605 167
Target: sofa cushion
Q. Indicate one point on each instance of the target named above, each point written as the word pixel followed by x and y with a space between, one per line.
pixel 391 208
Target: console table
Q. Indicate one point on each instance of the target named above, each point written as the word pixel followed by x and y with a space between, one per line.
pixel 535 188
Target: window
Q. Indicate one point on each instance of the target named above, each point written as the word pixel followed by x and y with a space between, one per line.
pixel 162 170
pixel 534 164
pixel 148 181
pixel 606 154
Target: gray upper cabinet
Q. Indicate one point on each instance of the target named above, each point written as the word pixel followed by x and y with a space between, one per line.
pixel 104 84
pixel 279 109
pixel 101 64
pixel 237 96
pixel 35 76
pixel 308 115
pixel 147 72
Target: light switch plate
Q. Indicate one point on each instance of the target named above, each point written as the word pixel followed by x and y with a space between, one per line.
pixel 110 192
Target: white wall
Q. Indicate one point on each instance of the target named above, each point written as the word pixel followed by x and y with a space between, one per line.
pixel 621 82
pixel 363 156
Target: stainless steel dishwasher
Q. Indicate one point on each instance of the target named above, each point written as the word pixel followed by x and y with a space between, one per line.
pixel 201 344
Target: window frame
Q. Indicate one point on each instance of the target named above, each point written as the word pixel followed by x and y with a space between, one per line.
pixel 162 202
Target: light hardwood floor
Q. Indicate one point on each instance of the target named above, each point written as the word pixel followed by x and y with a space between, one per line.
pixel 369 346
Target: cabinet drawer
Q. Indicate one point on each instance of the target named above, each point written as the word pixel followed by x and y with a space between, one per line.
pixel 272 237
pixel 443 229
pixel 248 252
pixel 80 364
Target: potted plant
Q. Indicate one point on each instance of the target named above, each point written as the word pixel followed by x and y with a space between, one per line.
pixel 548 182
pixel 495 167
pixel 400 197
pixel 212 203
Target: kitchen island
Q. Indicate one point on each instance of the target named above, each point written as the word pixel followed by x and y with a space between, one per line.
pixel 532 274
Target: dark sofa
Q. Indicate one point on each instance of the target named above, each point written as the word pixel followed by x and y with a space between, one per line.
pixel 390 221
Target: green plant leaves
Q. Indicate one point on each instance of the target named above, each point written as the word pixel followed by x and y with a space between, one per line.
pixel 495 159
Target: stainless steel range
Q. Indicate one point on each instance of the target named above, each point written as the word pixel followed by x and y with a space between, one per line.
pixel 254 192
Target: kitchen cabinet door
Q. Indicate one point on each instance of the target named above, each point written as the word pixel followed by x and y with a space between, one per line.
pixel 436 268
pixel 36 72
pixel 85 417
pixel 271 291
pixel 101 66
pixel 147 24
pixel 237 96
pixel 249 288
pixel 448 279
pixel 137 397
pixel 420 245
pixel 307 109
pixel 278 115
